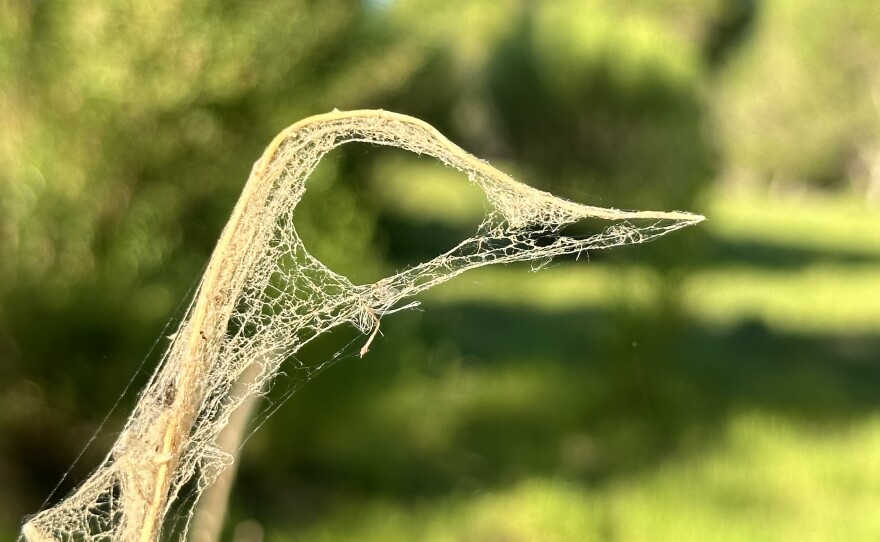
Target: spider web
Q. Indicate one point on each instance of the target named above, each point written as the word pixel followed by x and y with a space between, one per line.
pixel 263 296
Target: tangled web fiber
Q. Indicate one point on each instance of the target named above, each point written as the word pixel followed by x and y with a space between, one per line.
pixel 263 297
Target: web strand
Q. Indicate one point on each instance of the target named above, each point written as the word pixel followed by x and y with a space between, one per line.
pixel 263 297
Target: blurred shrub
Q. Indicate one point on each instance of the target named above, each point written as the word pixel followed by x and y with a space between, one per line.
pixel 603 100
pixel 129 130
pixel 801 102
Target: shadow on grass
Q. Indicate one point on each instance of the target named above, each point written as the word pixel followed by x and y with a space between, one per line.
pixel 472 397
pixel 725 252
pixel 412 242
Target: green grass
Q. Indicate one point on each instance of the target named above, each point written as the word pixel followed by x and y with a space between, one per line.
pixel 752 426
pixel 767 480
pixel 824 223
pixel 821 295
pixel 755 421
pixel 819 299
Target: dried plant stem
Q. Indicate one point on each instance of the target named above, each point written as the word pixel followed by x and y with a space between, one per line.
pixel 263 296
pixel 208 518
pixel 209 318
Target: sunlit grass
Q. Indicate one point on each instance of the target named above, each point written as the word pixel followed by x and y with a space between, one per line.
pixel 820 299
pixel 552 289
pixel 823 296
pixel 824 223
pixel 764 476
pixel 767 480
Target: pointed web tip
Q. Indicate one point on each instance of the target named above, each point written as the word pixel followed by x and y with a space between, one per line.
pixel 684 216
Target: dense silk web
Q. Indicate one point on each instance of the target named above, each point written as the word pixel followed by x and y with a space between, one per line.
pixel 263 297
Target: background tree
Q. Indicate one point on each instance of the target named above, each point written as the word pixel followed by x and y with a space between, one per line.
pixel 128 130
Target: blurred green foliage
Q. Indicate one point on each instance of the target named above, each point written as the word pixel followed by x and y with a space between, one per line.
pixel 591 399
pixel 801 104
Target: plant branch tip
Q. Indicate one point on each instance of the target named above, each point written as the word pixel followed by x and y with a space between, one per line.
pixel 262 283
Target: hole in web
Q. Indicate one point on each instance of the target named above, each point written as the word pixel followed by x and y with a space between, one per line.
pixel 601 233
pixel 369 211
pixel 583 229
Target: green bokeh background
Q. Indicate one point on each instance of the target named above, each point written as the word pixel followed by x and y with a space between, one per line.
pixel 722 383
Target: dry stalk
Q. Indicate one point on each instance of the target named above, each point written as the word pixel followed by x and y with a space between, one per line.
pixel 263 296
